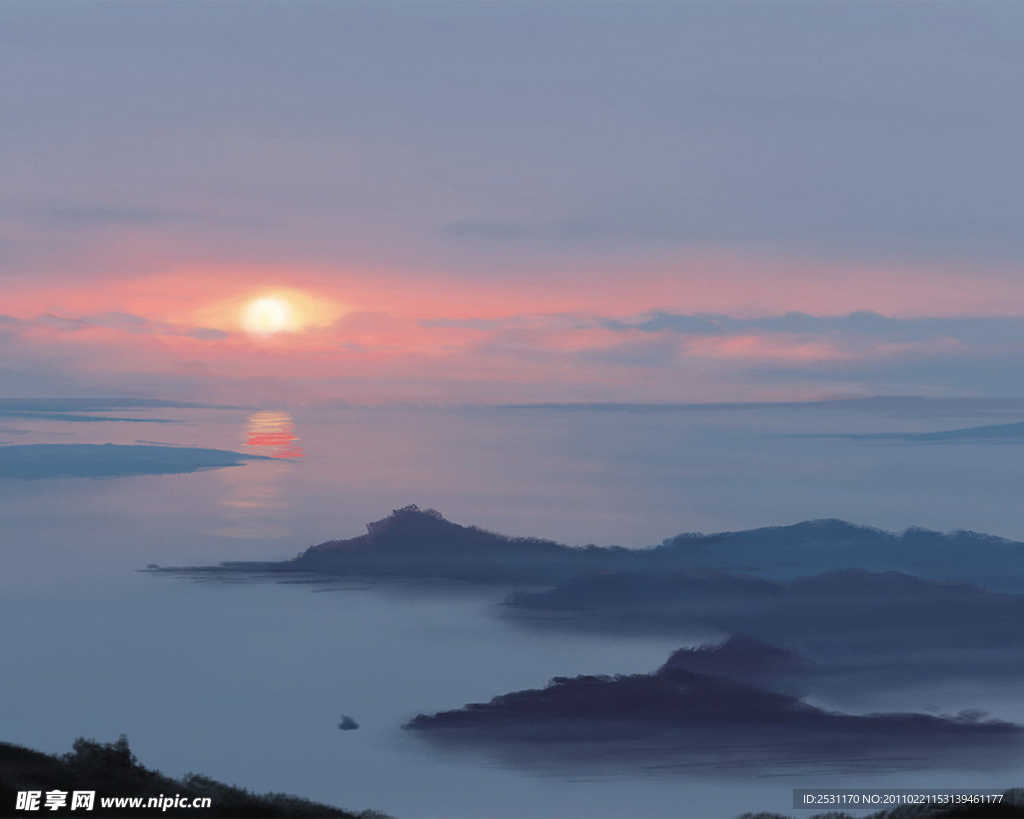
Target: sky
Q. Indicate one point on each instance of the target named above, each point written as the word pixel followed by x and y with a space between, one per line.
pixel 509 202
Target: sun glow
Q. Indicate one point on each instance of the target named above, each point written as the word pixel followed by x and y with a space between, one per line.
pixel 269 315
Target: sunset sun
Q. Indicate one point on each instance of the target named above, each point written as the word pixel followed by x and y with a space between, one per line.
pixel 268 316
pixel 280 311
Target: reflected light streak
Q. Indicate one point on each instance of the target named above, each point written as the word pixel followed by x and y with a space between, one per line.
pixel 254 503
pixel 272 434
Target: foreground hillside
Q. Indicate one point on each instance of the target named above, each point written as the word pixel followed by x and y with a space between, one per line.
pixel 112 770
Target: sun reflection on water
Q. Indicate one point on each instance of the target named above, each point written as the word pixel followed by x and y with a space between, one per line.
pixel 272 434
pixel 254 503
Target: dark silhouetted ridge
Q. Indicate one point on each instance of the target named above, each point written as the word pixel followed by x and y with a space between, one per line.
pixel 413 543
pixel 112 770
pixel 817 546
pixel 741 659
pixel 421 542
pixel 676 720
pixel 414 530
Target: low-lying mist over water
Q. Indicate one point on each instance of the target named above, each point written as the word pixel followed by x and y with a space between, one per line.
pixel 244 678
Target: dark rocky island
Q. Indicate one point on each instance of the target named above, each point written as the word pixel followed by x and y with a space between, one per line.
pixel 416 544
pixel 858 629
pixel 676 721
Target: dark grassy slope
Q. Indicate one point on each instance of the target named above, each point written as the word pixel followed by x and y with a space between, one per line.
pixel 112 770
pixel 678 722
pixel 412 543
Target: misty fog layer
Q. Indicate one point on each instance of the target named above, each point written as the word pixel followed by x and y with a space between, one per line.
pixel 246 681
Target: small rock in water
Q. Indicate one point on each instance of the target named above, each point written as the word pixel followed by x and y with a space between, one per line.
pixel 347 723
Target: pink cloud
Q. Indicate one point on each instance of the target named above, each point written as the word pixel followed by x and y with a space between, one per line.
pixel 795 349
pixel 436 335
pixel 135 280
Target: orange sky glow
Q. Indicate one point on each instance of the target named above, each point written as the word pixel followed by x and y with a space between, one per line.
pixel 372 325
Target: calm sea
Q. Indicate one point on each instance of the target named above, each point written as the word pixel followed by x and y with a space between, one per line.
pixel 246 682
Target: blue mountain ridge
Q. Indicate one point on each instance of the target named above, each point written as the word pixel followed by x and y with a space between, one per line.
pixel 421 544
